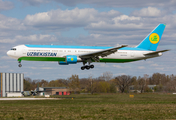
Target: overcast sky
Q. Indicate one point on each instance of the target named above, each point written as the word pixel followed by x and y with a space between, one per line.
pixel 86 23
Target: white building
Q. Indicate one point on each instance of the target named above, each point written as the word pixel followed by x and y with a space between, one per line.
pixel 11 84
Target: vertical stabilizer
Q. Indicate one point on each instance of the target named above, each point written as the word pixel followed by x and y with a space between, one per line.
pixel 152 40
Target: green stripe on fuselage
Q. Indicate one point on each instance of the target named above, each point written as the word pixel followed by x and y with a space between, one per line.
pixel 63 59
pixel 41 59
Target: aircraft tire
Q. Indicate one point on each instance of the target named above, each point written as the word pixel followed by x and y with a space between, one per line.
pixel 83 67
pixel 20 65
pixel 92 66
pixel 87 67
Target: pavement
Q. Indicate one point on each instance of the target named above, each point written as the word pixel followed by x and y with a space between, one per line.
pixel 29 98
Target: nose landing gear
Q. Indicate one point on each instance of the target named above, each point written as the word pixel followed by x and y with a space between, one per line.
pixel 20 65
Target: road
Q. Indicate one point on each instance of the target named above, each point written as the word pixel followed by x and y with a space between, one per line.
pixel 29 98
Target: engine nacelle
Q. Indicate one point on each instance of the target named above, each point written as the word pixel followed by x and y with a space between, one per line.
pixel 62 63
pixel 70 59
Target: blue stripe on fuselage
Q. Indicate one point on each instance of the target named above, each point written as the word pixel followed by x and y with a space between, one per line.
pixel 81 47
pixel 71 47
pixel 129 48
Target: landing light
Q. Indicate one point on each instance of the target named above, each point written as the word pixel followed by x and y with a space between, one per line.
pixel 160 54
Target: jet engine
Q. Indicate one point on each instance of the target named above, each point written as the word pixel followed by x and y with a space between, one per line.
pixel 69 59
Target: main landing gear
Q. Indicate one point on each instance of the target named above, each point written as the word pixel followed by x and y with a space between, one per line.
pixel 87 67
pixel 20 65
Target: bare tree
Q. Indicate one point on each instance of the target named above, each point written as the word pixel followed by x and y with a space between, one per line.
pixel 171 85
pixel 84 84
pixel 123 82
pixel 107 76
pixel 141 83
pixel 91 84
pixel 146 77
pixel 27 84
pixel 74 83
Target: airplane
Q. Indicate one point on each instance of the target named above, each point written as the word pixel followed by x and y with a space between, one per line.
pixel 34 92
pixel 28 93
pixel 66 55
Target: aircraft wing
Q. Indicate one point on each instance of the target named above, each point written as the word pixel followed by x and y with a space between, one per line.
pixel 156 52
pixel 102 53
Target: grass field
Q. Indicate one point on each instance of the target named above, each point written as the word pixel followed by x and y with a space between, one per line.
pixel 104 106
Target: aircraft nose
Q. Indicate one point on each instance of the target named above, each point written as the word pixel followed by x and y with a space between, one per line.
pixel 8 53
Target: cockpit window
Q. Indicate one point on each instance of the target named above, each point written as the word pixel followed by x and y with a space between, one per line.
pixel 13 49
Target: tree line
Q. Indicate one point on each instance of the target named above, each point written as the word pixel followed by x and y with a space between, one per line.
pixel 108 84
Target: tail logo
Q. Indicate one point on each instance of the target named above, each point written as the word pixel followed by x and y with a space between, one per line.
pixel 154 38
pixel 72 59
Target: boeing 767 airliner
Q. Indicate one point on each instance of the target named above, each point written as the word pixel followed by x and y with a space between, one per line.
pixel 66 55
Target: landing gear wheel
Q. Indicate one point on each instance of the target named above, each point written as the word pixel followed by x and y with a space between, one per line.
pixel 87 67
pixel 20 65
pixel 92 66
pixel 82 68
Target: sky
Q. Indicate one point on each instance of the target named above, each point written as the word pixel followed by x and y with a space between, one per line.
pixel 86 23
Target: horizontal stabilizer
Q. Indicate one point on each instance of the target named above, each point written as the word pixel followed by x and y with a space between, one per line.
pixel 155 52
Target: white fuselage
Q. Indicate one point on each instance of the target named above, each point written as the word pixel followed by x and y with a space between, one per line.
pixel 24 51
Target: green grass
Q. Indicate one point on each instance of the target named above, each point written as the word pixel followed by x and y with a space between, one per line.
pixel 104 106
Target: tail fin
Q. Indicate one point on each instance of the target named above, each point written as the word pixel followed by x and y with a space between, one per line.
pixel 152 40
